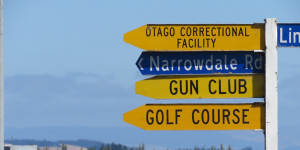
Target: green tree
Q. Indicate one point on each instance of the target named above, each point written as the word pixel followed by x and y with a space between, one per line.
pixel 213 148
pixel 103 147
pixel 92 148
pixel 63 147
pixel 141 147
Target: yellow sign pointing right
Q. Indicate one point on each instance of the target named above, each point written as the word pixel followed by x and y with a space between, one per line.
pixel 197 116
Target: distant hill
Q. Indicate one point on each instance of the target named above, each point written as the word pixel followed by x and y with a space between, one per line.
pixel 134 136
pixel 92 145
pixel 80 142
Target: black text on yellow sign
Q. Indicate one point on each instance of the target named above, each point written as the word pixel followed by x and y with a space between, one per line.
pixel 197 116
pixel 193 37
pixel 197 86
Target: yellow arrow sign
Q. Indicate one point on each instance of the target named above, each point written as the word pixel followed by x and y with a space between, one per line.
pixel 197 116
pixel 193 37
pixel 213 86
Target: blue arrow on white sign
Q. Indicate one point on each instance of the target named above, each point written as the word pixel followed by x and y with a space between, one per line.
pixel 288 35
pixel 176 63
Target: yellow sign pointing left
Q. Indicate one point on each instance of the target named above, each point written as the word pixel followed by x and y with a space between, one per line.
pixel 195 37
pixel 202 86
pixel 197 116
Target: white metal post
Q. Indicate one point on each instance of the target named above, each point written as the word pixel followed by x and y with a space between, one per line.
pixel 1 80
pixel 271 80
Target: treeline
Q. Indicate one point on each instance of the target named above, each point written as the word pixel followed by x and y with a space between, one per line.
pixel 221 147
pixel 114 146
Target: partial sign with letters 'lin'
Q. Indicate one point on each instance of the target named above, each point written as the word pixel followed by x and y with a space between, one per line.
pixel 288 35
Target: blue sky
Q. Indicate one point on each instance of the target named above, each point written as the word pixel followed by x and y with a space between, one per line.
pixel 68 70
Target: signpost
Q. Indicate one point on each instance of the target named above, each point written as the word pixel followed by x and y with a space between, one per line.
pixel 165 63
pixel 197 116
pixel 195 37
pixel 197 86
pixel 271 98
pixel 215 73
pixel 288 35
